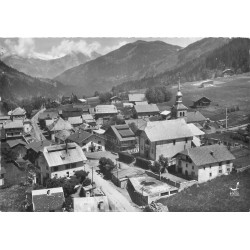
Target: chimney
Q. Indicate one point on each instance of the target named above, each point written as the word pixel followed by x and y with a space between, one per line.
pixel 212 153
pixel 48 192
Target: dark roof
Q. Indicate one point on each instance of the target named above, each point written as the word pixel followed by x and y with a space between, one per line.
pixel 202 98
pixel 13 143
pixel 146 108
pixel 45 203
pixel 195 116
pixel 123 132
pixel 81 136
pixel 208 154
pixel 48 114
pixel 38 145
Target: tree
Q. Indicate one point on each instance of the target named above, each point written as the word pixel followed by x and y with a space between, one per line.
pixel 105 97
pixel 106 165
pixel 158 94
pixel 9 155
pixel 133 127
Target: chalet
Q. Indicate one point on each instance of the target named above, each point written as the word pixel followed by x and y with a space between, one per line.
pixel 120 138
pixel 58 125
pixel 17 114
pixel 50 114
pixel 115 99
pixel 67 112
pixel 13 129
pixel 148 110
pixel 145 189
pixel 61 136
pixel 82 100
pixel 165 115
pixel 87 141
pixel 93 101
pixel 18 146
pixel 60 161
pixel 201 102
pixel 4 119
pixel 166 138
pixel 48 200
pixel 195 117
pixel 75 121
pixel 91 204
pixel 136 98
pixel 104 111
pixel 34 149
pixel 205 163
pixel 89 119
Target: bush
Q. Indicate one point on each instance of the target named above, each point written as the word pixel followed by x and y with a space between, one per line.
pixel 143 163
pixel 126 157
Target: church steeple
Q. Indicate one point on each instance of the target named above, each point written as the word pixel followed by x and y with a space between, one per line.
pixel 179 110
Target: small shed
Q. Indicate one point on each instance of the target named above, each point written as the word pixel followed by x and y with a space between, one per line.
pixel 201 102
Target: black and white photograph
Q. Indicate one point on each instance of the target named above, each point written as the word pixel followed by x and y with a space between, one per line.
pixel 118 113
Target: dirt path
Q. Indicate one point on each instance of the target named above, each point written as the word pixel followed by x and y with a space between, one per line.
pixel 37 132
pixel 118 202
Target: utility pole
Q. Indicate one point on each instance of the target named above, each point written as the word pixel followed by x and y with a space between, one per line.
pixel 226 118
pixel 92 173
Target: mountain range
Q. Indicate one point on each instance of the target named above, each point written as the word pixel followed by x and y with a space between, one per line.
pixel 133 66
pixel 38 67
pixel 16 85
pixel 134 61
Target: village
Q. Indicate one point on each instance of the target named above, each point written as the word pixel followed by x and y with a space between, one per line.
pixel 123 155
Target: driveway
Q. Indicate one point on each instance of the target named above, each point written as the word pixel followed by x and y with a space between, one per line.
pixel 118 202
pixel 37 132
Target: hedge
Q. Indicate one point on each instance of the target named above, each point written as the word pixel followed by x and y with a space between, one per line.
pixel 143 163
pixel 126 157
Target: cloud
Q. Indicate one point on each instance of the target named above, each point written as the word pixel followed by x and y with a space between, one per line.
pixel 111 48
pixel 23 47
pixel 67 47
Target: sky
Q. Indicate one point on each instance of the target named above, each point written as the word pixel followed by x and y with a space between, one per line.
pixel 50 48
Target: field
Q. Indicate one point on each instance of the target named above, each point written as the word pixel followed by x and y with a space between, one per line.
pixel 226 92
pixel 12 198
pixel 213 196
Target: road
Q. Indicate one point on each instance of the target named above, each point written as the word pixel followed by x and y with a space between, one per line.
pixel 37 132
pixel 116 199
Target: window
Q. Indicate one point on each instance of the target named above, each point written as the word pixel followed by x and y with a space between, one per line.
pixel 99 142
pixel 220 171
pixel 73 165
pixel 55 169
pixel 186 139
pixel 67 166
pixel 220 163
pixel 173 142
pixel 192 167
pixel 186 165
pixel 227 162
pixel 210 174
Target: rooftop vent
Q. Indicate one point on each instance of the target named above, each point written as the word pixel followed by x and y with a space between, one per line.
pixel 212 153
pixel 48 192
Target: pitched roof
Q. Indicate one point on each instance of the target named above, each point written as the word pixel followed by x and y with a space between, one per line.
pixel 4 117
pixel 79 136
pixel 13 124
pixel 13 143
pixel 106 109
pixel 93 100
pixel 48 114
pixel 208 154
pixel 141 103
pixel 60 124
pixel 196 131
pixel 167 130
pixel 62 134
pixel 88 118
pixel 91 204
pixel 195 116
pixel 45 203
pixel 18 111
pixel 58 155
pixel 75 120
pixel 38 145
pixel 202 98
pixel 123 132
pixel 136 97
pixel 115 97
pixel 146 108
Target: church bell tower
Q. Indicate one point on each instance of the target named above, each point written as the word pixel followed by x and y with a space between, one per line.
pixel 179 110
